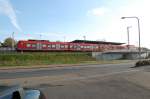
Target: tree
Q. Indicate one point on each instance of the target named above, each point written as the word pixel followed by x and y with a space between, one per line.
pixel 0 44
pixel 9 42
pixel 58 41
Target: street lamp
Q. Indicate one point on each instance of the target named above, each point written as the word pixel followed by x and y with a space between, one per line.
pixel 128 27
pixel 40 36
pixel 84 37
pixel 138 20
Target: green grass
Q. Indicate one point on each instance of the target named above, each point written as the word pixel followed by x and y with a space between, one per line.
pixel 28 59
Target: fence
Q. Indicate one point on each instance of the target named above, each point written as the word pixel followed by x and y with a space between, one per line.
pixel 7 49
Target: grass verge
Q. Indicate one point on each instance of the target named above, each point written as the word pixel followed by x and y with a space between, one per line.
pixel 43 59
pixel 28 59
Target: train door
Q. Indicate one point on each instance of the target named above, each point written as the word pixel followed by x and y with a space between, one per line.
pixel 78 47
pixel 39 46
pixel 57 46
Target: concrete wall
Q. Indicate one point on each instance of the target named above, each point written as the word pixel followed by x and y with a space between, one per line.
pixel 106 56
pixel 136 55
pixel 119 55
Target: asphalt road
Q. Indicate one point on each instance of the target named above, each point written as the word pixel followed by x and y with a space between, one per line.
pixel 83 70
pixel 91 82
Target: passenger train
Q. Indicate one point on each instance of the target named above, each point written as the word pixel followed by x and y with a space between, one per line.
pixel 45 45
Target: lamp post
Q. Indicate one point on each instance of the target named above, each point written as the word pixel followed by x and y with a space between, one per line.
pixel 128 36
pixel 84 37
pixel 139 32
pixel 40 36
pixel 64 38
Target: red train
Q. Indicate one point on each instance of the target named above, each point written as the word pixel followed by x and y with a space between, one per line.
pixel 45 45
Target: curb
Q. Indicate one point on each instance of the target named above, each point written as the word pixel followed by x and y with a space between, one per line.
pixel 48 66
pixel 53 66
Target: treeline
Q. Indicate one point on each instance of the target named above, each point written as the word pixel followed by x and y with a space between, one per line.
pixel 8 42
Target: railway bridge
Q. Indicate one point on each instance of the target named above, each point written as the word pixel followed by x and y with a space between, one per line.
pixel 120 54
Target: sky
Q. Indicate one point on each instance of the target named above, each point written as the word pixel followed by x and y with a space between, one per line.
pixel 67 20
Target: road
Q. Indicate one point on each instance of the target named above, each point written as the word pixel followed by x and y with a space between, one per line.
pixel 83 70
pixel 82 82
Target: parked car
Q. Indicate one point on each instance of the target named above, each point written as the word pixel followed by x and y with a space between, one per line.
pixel 17 92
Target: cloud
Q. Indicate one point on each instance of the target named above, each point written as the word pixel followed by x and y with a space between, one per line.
pixel 97 11
pixel 7 9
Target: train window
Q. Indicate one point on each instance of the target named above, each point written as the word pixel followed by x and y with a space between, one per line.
pixel 57 46
pixel 78 46
pixel 53 46
pixel 62 46
pixel 71 46
pixel 66 46
pixel 28 45
pixel 88 46
pixel 82 47
pixel 44 45
pixel 74 46
pixel 33 45
pixel 49 46
pixel 91 47
pixel 94 47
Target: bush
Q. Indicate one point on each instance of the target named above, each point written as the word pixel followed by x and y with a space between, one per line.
pixel 142 63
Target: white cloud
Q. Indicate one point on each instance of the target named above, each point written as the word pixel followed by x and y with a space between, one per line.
pixel 7 9
pixel 98 11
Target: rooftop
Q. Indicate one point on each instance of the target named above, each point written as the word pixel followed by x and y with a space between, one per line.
pixel 96 42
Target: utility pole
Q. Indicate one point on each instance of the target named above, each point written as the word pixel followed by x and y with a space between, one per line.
pixel 139 32
pixel 13 41
pixel 64 38
pixel 84 37
pixel 128 36
pixel 40 37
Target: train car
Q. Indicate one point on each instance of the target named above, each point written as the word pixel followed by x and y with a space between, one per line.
pixel 83 47
pixel 44 45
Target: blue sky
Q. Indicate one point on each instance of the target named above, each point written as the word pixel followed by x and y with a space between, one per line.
pixel 72 19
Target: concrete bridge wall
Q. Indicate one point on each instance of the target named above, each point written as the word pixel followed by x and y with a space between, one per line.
pixel 118 55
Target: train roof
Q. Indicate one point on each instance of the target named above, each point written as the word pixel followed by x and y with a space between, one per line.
pixel 38 40
pixel 96 42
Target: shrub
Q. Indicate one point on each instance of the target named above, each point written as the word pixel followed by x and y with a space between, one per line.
pixel 18 59
pixel 142 63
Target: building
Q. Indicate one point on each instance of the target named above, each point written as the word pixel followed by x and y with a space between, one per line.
pixel 97 42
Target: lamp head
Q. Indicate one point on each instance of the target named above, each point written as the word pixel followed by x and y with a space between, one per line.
pixel 122 17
